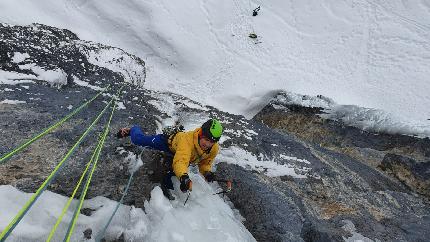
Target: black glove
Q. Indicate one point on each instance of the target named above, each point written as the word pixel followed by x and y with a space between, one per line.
pixel 122 133
pixel 209 176
pixel 185 183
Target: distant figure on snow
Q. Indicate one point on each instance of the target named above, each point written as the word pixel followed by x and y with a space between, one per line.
pixel 199 146
pixel 255 11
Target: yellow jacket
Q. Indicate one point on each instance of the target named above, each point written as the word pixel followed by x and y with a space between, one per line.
pixel 185 146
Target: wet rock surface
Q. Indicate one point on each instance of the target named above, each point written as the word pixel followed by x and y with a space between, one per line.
pixel 356 182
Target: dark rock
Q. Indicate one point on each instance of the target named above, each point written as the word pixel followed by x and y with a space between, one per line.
pixel 87 211
pixel 415 175
pixel 88 233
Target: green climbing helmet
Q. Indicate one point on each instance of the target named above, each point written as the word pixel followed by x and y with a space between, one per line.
pixel 212 129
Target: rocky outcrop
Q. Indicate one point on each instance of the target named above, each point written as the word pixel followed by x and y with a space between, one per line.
pixel 412 173
pixel 371 148
pixel 39 48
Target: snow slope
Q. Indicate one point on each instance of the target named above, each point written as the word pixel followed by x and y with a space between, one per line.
pixel 373 54
pixel 205 216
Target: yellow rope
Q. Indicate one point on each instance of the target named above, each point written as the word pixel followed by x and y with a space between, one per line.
pixel 81 201
pixel 5 233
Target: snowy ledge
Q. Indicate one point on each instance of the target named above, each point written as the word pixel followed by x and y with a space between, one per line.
pixel 368 119
pixel 238 156
pixel 205 217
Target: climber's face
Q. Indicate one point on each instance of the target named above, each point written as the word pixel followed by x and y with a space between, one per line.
pixel 205 143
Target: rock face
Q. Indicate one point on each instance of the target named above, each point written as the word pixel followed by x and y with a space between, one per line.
pixel 368 178
pixel 378 150
pixel 358 184
pixel 83 66
pixel 52 49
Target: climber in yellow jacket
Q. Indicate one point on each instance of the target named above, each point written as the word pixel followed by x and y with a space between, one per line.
pixel 199 146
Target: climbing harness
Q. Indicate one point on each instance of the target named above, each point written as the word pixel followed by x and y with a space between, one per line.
pixel 49 129
pixel 171 131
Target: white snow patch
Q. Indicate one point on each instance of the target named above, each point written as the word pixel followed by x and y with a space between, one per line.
pixel 37 223
pixel 134 162
pixel 6 101
pixel 286 157
pixel 19 57
pixel 120 105
pixel 55 77
pixel 364 118
pixel 377 120
pixel 247 133
pixel 164 104
pixel 250 131
pixel 238 156
pixel 14 78
pixel 117 60
pixel 8 90
pixel 194 105
pixel 290 98
pixel 70 107
pixel 205 217
pixel 85 84
pixel 356 237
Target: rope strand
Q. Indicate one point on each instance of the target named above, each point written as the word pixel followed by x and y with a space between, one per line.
pixel 90 175
pixel 6 232
pixel 49 129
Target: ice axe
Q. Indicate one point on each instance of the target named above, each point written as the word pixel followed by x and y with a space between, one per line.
pixel 189 192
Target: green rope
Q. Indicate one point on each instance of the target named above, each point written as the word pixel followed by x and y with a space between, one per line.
pixel 39 191
pixel 47 130
pixel 51 234
pixel 89 177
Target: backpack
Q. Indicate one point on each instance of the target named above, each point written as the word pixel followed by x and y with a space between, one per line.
pixel 171 131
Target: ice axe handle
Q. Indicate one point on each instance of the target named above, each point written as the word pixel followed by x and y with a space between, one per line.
pixel 190 187
pixel 229 185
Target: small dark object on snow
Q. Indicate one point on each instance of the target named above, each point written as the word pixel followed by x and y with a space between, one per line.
pixel 255 11
pixel 87 211
pixel 252 36
pixel 88 233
